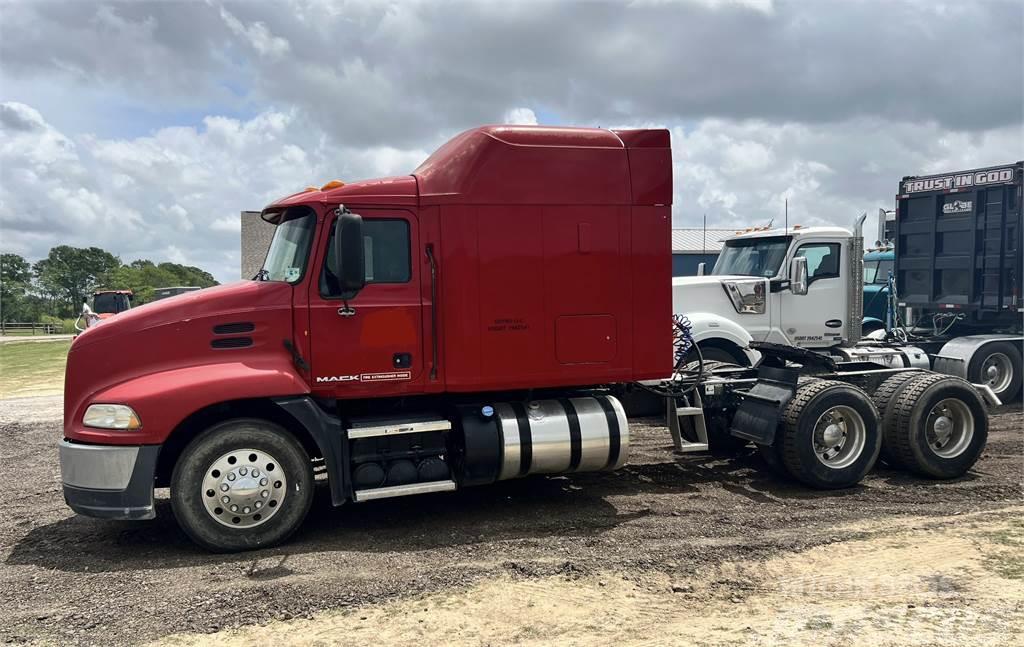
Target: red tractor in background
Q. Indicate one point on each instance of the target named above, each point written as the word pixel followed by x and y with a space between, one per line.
pixel 105 304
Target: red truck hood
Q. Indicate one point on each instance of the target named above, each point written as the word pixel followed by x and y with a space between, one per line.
pixel 176 333
pixel 239 296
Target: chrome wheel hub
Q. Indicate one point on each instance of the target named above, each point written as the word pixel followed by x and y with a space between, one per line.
pixel 997 372
pixel 839 437
pixel 244 488
pixel 950 428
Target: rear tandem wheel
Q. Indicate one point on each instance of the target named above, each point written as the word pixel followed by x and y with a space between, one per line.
pixel 936 426
pixel 829 435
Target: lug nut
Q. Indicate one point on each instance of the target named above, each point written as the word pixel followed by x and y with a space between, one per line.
pixel 231 477
pixel 224 487
pixel 255 472
pixel 258 505
pixel 263 481
pixel 225 499
pixel 243 471
pixel 245 510
pixel 264 494
pixel 234 508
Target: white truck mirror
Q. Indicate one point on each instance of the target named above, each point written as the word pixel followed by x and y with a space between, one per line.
pixel 700 269
pixel 798 275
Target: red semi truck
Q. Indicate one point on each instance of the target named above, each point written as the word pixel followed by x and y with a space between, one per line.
pixel 468 323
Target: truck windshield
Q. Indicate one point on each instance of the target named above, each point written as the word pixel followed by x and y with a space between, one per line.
pixel 877 271
pixel 107 303
pixel 289 249
pixel 752 257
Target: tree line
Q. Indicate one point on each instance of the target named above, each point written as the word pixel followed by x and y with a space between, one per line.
pixel 55 287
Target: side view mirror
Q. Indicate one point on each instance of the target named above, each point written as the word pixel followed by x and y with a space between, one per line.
pixel 700 269
pixel 798 275
pixel 349 266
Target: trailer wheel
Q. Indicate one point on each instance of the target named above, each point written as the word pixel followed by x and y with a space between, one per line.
pixel 830 437
pixel 939 426
pixel 883 398
pixel 997 365
pixel 240 485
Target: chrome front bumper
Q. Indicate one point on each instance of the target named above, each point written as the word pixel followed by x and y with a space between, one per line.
pixel 109 481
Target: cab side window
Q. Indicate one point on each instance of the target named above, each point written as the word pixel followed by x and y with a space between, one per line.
pixel 822 260
pixel 386 253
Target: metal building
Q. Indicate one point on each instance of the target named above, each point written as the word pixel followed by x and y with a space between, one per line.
pixel 692 246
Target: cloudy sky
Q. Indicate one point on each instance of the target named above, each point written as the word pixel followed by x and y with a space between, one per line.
pixel 145 127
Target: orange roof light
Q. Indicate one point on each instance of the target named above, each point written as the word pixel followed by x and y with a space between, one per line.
pixel 333 184
pixel 308 189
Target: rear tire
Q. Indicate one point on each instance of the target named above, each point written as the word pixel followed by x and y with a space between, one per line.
pixel 829 435
pixel 240 485
pixel 939 426
pixel 883 397
pixel 998 365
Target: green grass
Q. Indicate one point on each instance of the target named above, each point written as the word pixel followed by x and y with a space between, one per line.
pixel 32 368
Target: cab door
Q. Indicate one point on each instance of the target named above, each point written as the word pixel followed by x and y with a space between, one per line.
pixel 817 319
pixel 371 344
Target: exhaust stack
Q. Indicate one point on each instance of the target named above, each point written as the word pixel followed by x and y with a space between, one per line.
pixel 855 283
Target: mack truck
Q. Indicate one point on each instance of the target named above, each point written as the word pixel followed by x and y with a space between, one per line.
pixel 474 321
pixel 952 304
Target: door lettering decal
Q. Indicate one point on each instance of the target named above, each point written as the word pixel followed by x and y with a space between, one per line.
pixel 390 376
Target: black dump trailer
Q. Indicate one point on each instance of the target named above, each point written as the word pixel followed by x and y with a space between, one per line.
pixel 959 272
pixel 960 245
pixel 163 293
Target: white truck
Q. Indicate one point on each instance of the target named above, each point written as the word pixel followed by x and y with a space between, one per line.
pixel 802 287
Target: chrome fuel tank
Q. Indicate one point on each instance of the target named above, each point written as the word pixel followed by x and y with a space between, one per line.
pixel 564 435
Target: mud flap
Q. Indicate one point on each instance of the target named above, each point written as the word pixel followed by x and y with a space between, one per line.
pixel 757 417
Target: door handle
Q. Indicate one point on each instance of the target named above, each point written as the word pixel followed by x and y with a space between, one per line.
pixel 346 311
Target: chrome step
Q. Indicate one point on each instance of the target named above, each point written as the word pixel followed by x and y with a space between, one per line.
pixel 689 411
pixel 399 427
pixel 404 490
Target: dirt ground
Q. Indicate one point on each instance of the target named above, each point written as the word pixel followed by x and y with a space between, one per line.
pixel 669 550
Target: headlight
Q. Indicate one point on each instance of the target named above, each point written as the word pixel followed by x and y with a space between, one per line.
pixel 747 296
pixel 111 416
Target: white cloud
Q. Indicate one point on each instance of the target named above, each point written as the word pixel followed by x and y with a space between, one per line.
pixel 171 195
pixel 741 172
pixel 230 224
pixel 521 117
pixel 257 35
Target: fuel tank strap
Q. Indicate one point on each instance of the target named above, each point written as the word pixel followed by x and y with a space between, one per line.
pixel 614 433
pixel 575 434
pixel 525 438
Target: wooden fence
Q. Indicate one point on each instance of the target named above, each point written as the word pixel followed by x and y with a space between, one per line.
pixel 11 328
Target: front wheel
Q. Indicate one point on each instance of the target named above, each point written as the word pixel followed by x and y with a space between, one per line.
pixel 240 485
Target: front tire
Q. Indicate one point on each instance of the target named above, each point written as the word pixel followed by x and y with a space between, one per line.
pixel 241 485
pixel 829 434
pixel 715 354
